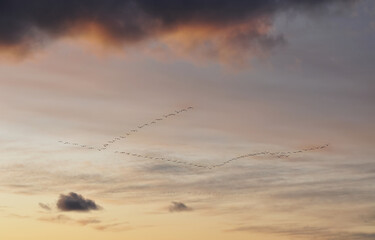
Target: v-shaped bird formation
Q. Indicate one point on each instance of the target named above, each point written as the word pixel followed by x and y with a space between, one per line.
pixel 133 131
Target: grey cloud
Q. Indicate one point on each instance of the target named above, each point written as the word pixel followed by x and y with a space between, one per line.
pixel 44 206
pixel 76 202
pixel 25 24
pixel 179 207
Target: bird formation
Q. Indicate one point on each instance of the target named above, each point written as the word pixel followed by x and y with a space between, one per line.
pixel 107 144
pixel 210 167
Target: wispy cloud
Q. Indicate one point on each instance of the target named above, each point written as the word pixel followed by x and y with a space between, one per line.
pixel 118 226
pixel 13 215
pixel 87 221
pixel 45 206
pixel 56 219
pixel 94 222
pixel 254 188
pixel 309 233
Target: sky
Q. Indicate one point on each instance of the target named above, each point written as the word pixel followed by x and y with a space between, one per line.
pixel 214 119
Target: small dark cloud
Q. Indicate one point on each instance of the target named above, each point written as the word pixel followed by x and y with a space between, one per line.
pixel 44 206
pixel 179 207
pixel 76 202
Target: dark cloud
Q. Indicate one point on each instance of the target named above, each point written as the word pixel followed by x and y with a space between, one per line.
pixel 76 202
pixel 26 24
pixel 179 207
pixel 44 206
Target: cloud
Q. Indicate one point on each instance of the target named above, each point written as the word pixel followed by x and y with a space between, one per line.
pixel 63 219
pixel 179 207
pixel 56 219
pixel 308 232
pixel 76 202
pixel 85 222
pixel 214 28
pixel 44 206
pixel 118 226
pixel 93 222
pixel 18 216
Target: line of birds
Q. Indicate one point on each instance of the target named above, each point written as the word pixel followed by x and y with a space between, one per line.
pixel 210 167
pixel 105 145
pixel 185 163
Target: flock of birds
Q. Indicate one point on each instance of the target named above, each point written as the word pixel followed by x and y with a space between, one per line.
pixel 107 144
pixel 190 164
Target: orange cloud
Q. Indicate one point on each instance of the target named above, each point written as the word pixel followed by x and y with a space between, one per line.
pixel 226 30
